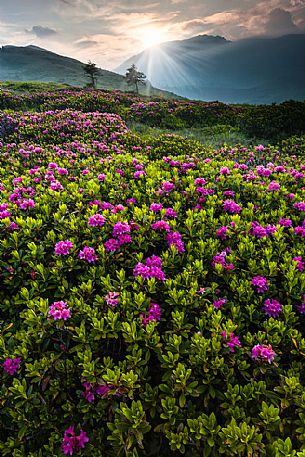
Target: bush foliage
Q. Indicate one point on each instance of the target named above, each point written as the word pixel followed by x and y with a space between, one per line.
pixel 152 290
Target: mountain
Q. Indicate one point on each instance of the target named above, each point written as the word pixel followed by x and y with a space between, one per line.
pixel 254 70
pixel 31 63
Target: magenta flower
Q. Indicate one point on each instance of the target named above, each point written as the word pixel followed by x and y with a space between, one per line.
pixel 274 186
pixel 300 263
pixel 231 340
pixel 231 207
pixel 59 310
pixel 88 394
pixel 63 247
pixel 168 186
pixel 97 220
pixel 219 303
pixel 160 225
pixel 301 307
pixel 88 254
pixel 156 207
pixel 285 222
pixel 151 269
pixel 272 307
pixel 154 314
pixel 120 228
pixel 260 283
pixel 111 245
pixel 112 298
pixel 175 239
pixel 221 232
pixel 11 365
pixel 263 352
pixel 72 442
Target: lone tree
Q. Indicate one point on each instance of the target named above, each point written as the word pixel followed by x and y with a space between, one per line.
pixel 91 72
pixel 134 77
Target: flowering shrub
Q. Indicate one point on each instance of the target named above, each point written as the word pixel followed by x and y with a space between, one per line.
pixel 150 314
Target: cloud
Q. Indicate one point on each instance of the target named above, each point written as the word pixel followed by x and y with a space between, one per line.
pixel 42 32
pixel 85 43
pixel 279 21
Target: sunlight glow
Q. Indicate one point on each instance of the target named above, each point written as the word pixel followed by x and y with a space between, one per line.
pixel 151 36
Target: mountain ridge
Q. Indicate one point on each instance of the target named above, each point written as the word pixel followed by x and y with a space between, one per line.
pixel 251 70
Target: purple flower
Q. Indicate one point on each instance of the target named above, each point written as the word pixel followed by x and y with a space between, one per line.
pixel 300 263
pixel 11 365
pixel 63 247
pixel 59 310
pixel 169 212
pixel 175 239
pixel 120 227
pixel 221 232
pixel 161 225
pixel 260 283
pixel 111 245
pixel 263 352
pixel 156 207
pixel 301 307
pixel 285 222
pixel 112 298
pixel 89 392
pixel 231 340
pixel 274 186
pixel 272 307
pixel 88 254
pixel 219 303
pixel 299 231
pixel 71 442
pixel 97 220
pixel 151 269
pixel 154 314
pixel 231 207
pixel 300 206
pixel 168 186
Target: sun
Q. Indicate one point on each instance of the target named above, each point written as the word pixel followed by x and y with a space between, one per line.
pixel 151 36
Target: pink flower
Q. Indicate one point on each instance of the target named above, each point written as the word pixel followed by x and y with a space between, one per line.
pixel 120 227
pixel 219 303
pixel 175 239
pixel 263 352
pixel 112 298
pixel 59 310
pixel 231 207
pixel 97 220
pixel 300 263
pixel 260 283
pixel 88 254
pixel 72 442
pixel 272 307
pixel 11 365
pixel 168 186
pixel 231 340
pixel 274 186
pixel 221 232
pixel 160 225
pixel 156 207
pixel 63 247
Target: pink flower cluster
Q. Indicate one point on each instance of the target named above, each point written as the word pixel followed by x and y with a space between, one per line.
pixel 219 303
pixel 121 232
pixel 152 268
pixel 263 352
pixel 11 365
pixel 59 310
pixel 97 220
pixel 221 232
pixel 112 298
pixel 63 247
pixel 260 283
pixel 161 225
pixel 175 239
pixel 154 314
pixel 231 340
pixel 231 207
pixel 72 442
pixel 272 307
pixel 300 263
pixel 220 259
pixel 91 390
pixel 88 254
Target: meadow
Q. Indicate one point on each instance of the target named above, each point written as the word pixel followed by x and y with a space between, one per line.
pixel 152 298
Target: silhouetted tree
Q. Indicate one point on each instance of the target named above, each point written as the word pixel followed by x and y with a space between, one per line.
pixel 91 72
pixel 134 77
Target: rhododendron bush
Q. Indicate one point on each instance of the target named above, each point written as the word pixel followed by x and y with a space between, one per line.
pixel 152 298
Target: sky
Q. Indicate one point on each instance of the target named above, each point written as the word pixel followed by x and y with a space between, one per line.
pixel 109 32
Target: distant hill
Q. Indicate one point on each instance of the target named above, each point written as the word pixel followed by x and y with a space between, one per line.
pixel 256 70
pixel 31 63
